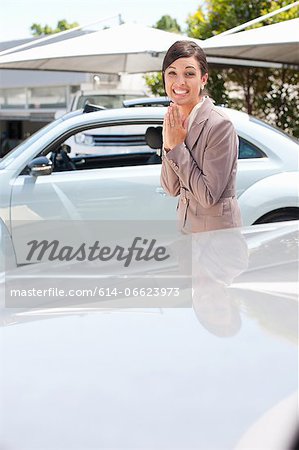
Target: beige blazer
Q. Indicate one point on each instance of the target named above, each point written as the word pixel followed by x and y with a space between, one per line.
pixel 202 171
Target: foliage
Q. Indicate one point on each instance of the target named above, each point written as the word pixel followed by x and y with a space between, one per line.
pixel 217 16
pixel 62 25
pixel 279 103
pixel 155 83
pixel 216 87
pixel 167 23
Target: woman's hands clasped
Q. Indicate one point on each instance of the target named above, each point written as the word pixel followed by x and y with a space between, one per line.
pixel 174 128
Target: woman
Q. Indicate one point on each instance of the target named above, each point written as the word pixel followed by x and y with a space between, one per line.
pixel 200 145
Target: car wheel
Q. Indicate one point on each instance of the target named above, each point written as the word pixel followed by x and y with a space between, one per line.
pixel 279 216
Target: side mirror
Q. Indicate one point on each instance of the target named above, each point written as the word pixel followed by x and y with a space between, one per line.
pixel 40 166
pixel 153 137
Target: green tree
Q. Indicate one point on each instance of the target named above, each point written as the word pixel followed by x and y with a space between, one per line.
pixel 269 94
pixel 155 83
pixel 62 25
pixel 218 16
pixel 168 23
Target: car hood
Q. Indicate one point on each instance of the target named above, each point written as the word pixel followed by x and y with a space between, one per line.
pixel 218 373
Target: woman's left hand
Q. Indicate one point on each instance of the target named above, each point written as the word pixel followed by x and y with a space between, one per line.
pixel 174 132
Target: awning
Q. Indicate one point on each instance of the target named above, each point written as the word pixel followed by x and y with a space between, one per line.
pixel 278 43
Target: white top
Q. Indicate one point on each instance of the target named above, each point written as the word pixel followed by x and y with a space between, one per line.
pixel 194 111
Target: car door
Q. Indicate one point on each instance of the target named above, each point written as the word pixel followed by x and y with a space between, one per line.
pixel 118 193
pixel 123 193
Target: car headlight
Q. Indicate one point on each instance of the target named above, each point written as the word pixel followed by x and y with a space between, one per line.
pixel 85 139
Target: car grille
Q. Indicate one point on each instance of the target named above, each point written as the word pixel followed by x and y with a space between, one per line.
pixel 119 140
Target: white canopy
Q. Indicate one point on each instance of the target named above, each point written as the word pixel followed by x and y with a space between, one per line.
pixel 128 48
pixel 274 43
pixel 135 48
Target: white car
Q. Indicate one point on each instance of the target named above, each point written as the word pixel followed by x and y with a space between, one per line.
pixel 39 180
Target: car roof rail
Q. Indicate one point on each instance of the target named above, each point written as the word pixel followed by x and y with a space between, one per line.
pixel 89 107
pixel 146 101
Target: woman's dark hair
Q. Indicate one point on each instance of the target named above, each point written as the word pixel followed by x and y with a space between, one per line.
pixel 184 49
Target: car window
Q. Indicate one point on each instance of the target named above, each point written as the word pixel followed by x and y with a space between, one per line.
pixel 247 150
pixel 107 146
pixel 129 138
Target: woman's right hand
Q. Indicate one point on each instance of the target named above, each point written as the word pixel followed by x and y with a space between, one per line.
pixel 174 129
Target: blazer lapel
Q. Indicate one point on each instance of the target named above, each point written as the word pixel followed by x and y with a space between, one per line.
pixel 198 123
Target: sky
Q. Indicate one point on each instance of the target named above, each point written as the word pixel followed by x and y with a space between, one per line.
pixel 18 15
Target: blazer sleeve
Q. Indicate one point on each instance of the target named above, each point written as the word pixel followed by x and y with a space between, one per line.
pixel 207 183
pixel 169 179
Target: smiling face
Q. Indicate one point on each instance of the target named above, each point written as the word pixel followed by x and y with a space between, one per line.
pixel 184 81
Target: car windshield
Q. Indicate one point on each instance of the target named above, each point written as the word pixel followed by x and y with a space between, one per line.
pixel 15 152
pixel 108 101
